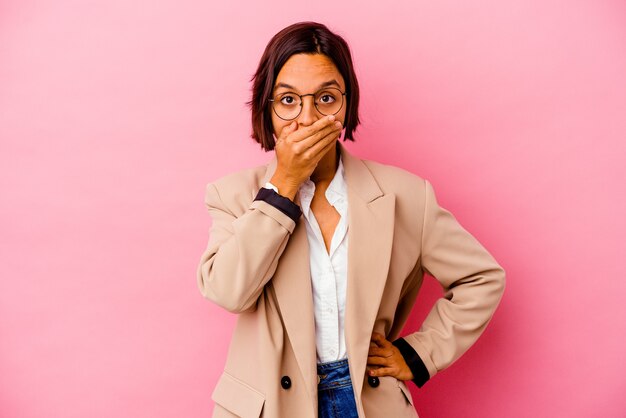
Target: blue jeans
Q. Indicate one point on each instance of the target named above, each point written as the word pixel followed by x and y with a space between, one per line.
pixel 335 397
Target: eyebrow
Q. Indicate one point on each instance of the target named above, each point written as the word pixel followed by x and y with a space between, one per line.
pixel 321 86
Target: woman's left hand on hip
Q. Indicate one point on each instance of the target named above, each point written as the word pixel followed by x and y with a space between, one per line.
pixel 386 359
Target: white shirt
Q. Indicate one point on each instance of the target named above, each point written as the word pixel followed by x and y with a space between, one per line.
pixel 328 271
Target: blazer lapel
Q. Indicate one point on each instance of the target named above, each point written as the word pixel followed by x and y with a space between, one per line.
pixel 370 237
pixel 294 294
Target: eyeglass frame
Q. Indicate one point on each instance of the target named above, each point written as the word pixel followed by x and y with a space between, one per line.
pixel 343 93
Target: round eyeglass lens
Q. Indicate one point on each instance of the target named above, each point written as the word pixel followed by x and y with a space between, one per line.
pixel 288 105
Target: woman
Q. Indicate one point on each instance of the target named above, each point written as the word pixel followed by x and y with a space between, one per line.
pixel 322 254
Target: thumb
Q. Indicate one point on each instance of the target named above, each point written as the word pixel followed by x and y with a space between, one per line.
pixel 288 129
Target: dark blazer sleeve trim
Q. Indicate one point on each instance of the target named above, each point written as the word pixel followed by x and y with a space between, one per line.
pixel 285 205
pixel 413 360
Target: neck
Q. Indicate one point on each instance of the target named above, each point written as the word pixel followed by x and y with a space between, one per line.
pixel 327 167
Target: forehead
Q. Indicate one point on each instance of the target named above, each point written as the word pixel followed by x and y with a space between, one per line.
pixel 307 71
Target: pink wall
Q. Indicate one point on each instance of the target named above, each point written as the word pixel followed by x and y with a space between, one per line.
pixel 114 115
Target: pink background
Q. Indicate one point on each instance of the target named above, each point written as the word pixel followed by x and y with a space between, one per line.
pixel 115 114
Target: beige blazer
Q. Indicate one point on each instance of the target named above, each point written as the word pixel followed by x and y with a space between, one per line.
pixel 256 265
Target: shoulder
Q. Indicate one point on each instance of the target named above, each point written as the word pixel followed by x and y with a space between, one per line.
pixel 248 177
pixel 413 193
pixel 396 180
pixel 236 189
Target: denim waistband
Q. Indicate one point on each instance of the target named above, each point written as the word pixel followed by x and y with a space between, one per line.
pixel 333 375
pixel 324 367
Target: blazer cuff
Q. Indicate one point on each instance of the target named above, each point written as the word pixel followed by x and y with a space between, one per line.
pixel 413 360
pixel 285 205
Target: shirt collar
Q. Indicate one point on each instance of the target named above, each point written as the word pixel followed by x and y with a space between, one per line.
pixel 337 188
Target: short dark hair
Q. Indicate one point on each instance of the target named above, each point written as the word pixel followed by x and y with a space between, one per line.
pixel 307 38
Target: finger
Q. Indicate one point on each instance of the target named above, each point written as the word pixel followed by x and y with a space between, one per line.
pixel 320 148
pixel 377 338
pixel 383 371
pixel 317 130
pixel 287 130
pixel 331 145
pixel 378 361
pixel 380 352
pixel 307 143
pixel 380 340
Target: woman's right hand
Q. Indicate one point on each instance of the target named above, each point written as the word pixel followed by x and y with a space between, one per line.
pixel 299 150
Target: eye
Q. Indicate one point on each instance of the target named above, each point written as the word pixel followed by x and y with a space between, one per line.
pixel 326 98
pixel 288 99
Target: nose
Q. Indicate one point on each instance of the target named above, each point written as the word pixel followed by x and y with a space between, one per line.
pixel 309 113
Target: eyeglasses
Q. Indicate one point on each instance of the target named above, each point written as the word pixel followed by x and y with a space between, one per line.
pixel 288 106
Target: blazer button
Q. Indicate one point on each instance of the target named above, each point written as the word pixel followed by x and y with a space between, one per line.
pixel 373 381
pixel 285 382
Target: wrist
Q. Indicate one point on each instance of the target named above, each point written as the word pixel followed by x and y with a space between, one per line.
pixel 285 188
pixel 417 367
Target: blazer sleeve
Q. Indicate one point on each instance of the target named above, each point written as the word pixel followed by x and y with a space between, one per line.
pixel 243 251
pixel 473 284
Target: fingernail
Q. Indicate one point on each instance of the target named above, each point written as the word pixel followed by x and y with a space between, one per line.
pixel 338 124
pixel 331 117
